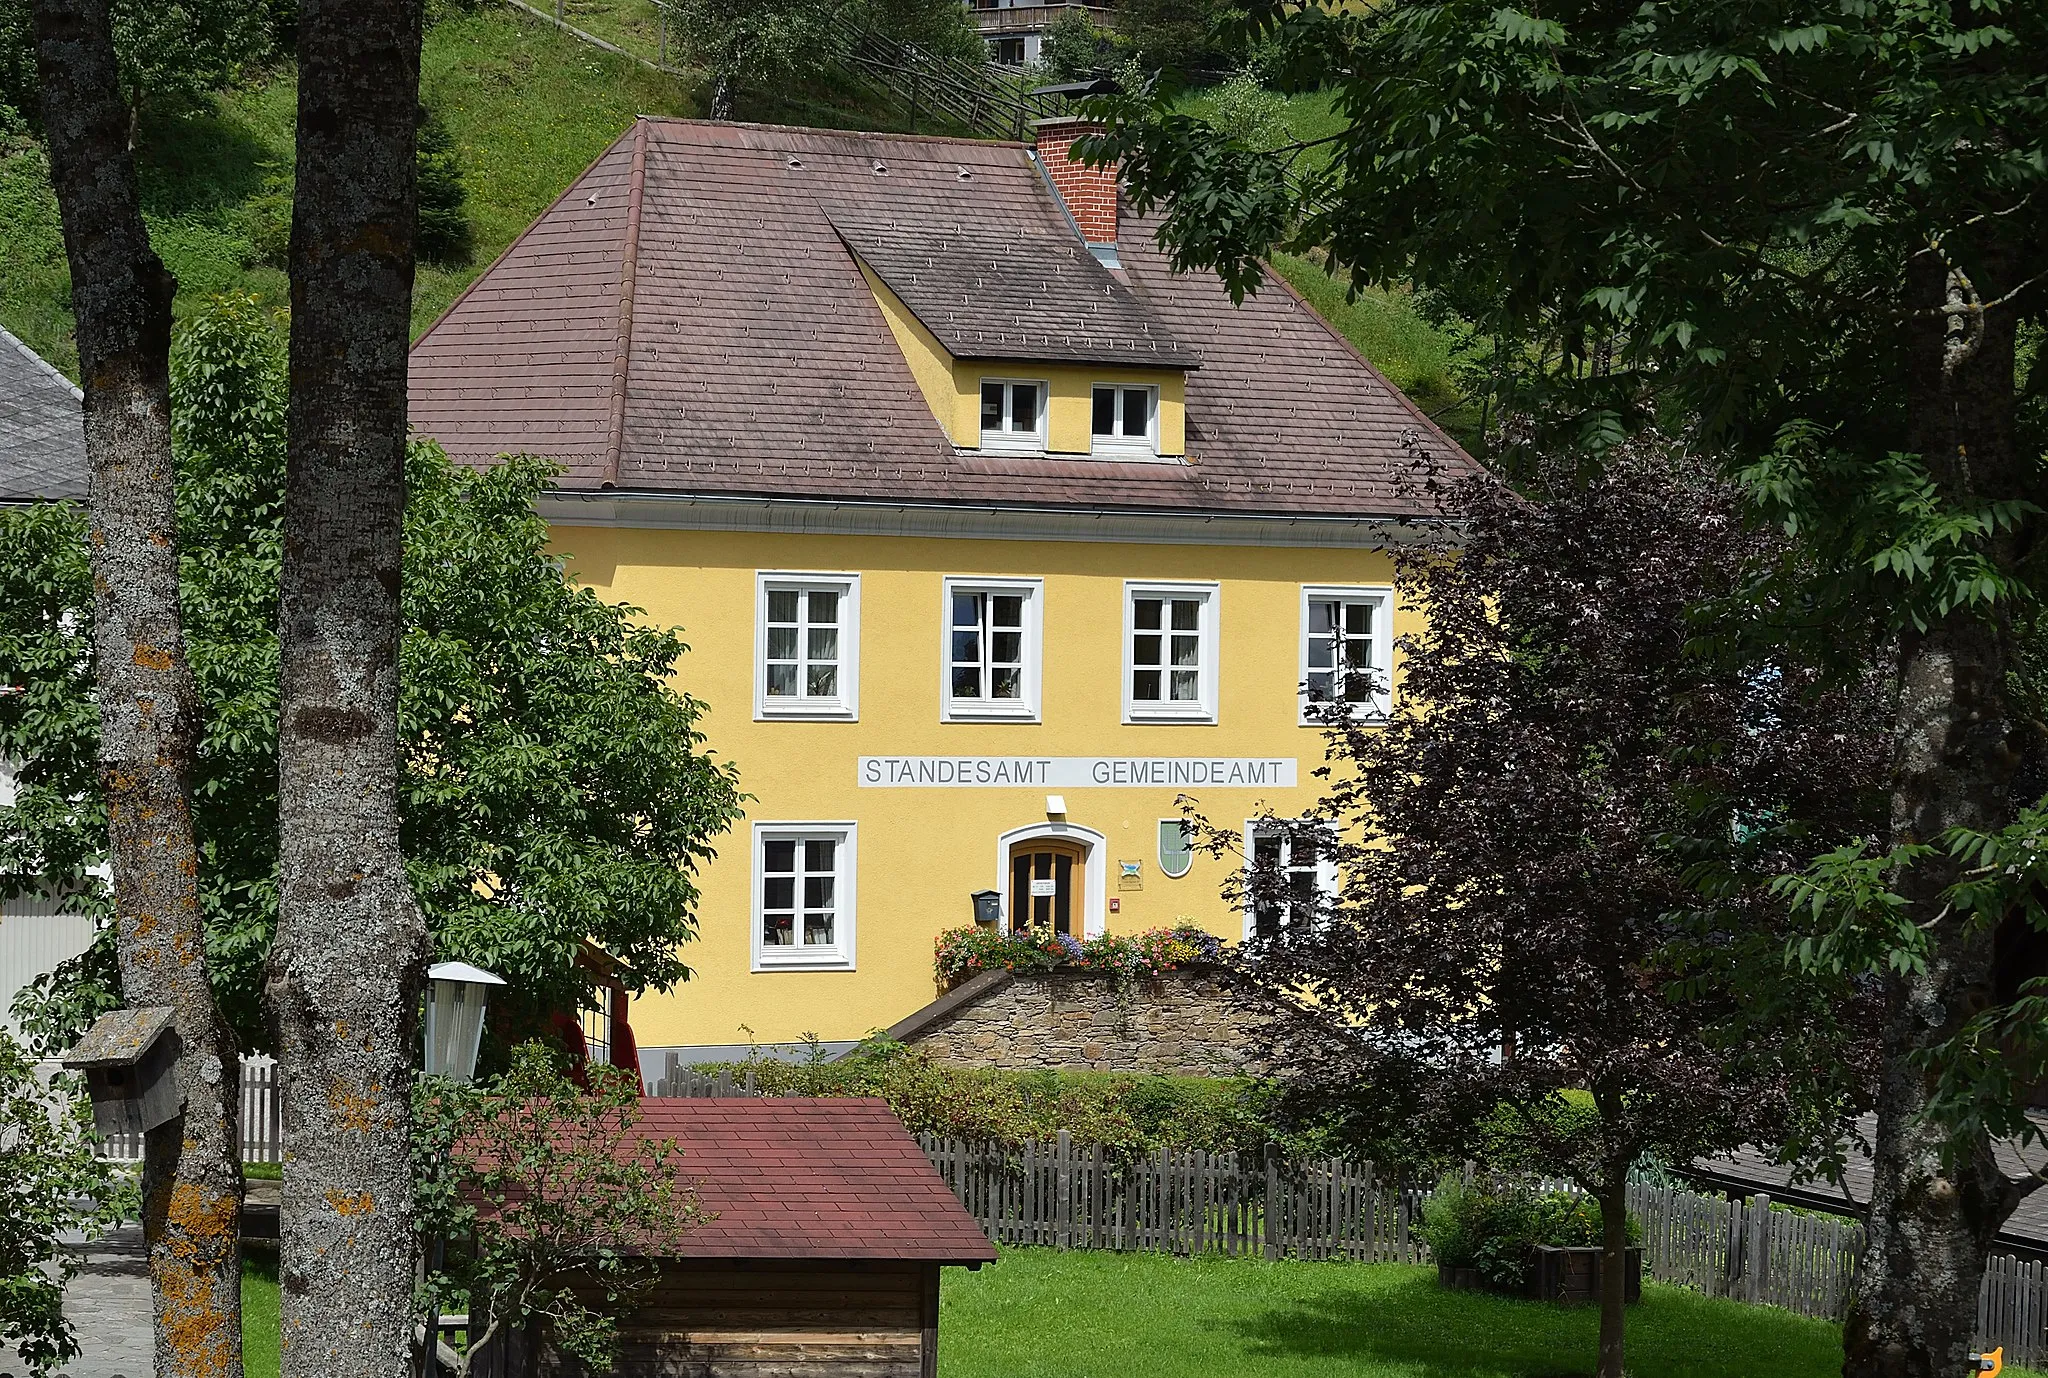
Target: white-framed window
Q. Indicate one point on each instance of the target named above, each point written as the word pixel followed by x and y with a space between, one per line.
pixel 807 645
pixel 1125 420
pixel 1296 874
pixel 1346 650
pixel 992 649
pixel 804 896
pixel 1170 652
pixel 1013 414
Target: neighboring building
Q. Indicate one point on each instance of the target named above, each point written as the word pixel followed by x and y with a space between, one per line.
pixel 992 537
pixel 1015 31
pixel 42 455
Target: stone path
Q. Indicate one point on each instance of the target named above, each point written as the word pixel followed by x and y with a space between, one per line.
pixel 111 1314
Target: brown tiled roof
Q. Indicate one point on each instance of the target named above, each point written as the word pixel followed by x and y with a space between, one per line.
pixel 994 292
pixel 686 319
pixel 42 429
pixel 791 1177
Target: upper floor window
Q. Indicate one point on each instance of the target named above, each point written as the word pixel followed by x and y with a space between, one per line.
pixel 1346 645
pixel 803 895
pixel 1170 652
pixel 1012 414
pixel 807 644
pixel 1126 420
pixel 992 649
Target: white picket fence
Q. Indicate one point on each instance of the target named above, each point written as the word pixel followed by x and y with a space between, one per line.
pixel 262 1118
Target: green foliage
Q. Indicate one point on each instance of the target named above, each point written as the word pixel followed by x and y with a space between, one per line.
pixel 554 1208
pixel 1490 1226
pixel 1182 36
pixel 171 53
pixel 444 234
pixel 1127 1112
pixel 554 786
pixel 1073 49
pixel 759 44
pixel 972 949
pixel 50 1185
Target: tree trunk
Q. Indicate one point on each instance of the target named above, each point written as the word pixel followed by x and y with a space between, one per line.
pixel 1931 1223
pixel 724 95
pixel 344 976
pixel 1613 1269
pixel 121 293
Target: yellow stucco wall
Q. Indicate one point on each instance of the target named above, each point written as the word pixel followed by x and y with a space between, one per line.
pixel 921 852
pixel 952 387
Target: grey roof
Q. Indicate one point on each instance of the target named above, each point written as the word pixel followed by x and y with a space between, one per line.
pixel 1002 292
pixel 1755 1169
pixel 42 429
pixel 120 1037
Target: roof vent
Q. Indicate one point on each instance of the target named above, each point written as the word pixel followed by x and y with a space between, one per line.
pixel 796 164
pixel 880 166
pixel 966 174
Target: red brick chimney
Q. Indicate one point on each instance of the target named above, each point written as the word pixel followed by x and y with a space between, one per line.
pixel 1089 192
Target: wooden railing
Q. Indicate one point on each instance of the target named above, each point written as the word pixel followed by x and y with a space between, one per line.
pixel 1033 18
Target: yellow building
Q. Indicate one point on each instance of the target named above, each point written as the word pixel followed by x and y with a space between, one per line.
pixel 992 537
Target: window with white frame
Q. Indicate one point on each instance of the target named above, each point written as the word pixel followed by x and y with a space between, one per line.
pixel 807 646
pixel 1293 874
pixel 803 895
pixel 1346 651
pixel 1170 652
pixel 992 644
pixel 1126 420
pixel 1012 414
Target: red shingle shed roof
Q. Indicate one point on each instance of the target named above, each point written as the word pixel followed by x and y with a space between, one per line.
pixel 793 1177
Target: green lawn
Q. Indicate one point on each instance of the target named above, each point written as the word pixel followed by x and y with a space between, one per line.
pixel 1043 1314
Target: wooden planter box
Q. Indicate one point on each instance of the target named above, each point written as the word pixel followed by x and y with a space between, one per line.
pixel 1567 1276
pixel 1572 1276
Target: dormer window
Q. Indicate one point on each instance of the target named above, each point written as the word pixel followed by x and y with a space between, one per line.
pixel 1012 414
pixel 1126 420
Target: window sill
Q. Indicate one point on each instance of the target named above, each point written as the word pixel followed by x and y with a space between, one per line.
pixel 1371 715
pixel 985 712
pixel 803 961
pixel 1167 716
pixel 799 711
pixel 993 442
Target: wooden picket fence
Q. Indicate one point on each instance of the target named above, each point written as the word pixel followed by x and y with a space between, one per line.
pixel 1065 1195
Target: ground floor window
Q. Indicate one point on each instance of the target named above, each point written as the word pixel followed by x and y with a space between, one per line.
pixel 1292 873
pixel 803 895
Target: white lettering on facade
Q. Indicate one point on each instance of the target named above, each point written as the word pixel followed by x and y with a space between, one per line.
pixel 1076 772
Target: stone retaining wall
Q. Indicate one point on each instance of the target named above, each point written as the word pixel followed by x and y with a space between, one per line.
pixel 1184 1023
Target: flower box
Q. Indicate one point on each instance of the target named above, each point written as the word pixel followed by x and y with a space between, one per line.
pixel 1572 1276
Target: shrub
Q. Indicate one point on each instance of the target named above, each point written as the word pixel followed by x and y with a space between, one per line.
pixel 1490 1226
pixel 965 952
pixel 1129 1113
pixel 444 233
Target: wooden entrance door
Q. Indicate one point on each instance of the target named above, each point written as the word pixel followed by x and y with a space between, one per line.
pixel 1045 877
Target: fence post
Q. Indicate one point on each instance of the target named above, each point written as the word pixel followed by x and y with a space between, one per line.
pixel 1272 1200
pixel 1063 1183
pixel 1759 1249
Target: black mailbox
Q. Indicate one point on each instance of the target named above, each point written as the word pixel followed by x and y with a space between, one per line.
pixel 988 908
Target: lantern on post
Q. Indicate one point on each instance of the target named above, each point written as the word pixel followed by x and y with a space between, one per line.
pixel 456 993
pixel 129 1058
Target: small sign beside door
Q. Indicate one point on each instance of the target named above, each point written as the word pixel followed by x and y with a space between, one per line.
pixel 1130 875
pixel 1044 889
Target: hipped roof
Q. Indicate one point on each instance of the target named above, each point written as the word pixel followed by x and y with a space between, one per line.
pixel 687 319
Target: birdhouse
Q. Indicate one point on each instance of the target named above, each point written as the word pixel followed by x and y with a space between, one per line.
pixel 130 1058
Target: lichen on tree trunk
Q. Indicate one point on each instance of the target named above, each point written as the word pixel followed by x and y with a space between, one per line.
pixel 344 976
pixel 1937 1203
pixel 121 295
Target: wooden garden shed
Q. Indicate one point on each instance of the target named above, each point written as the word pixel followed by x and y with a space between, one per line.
pixel 822 1256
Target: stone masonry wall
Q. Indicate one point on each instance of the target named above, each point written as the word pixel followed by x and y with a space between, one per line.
pixel 1183 1023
